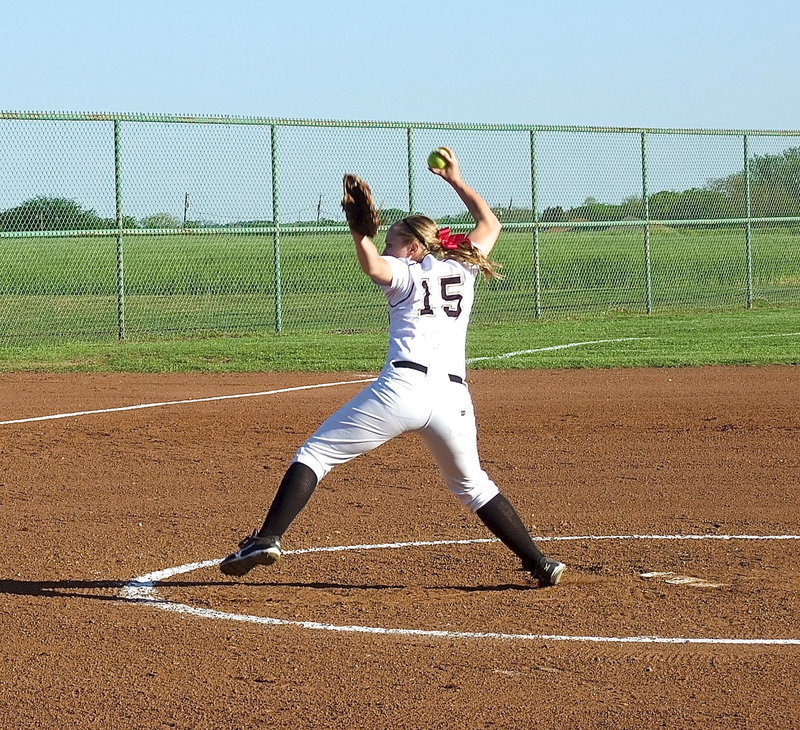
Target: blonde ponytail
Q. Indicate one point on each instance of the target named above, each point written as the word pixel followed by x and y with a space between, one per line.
pixel 459 248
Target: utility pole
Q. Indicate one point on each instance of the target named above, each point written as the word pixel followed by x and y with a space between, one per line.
pixel 185 208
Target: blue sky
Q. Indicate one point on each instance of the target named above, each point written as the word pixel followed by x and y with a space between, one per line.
pixel 701 64
pixel 669 64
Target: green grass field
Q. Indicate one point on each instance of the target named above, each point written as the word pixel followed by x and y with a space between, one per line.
pixel 755 337
pixel 209 301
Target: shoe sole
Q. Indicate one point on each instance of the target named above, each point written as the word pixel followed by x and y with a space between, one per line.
pixel 237 567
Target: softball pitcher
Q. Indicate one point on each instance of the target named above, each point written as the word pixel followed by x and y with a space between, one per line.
pixel 428 276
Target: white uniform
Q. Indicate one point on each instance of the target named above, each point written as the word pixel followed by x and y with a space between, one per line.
pixel 421 387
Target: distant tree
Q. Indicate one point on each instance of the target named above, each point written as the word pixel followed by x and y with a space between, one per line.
pixel 554 214
pixel 777 172
pixel 455 219
pixel 664 205
pixel 594 211
pixel 160 220
pixel 516 215
pixel 52 214
pixel 774 185
pixel 390 215
pixel 249 224
pixel 632 207
pixel 701 203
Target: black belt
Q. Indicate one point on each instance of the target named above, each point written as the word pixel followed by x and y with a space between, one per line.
pixel 423 369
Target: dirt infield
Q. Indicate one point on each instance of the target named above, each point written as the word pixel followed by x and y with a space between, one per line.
pixel 93 501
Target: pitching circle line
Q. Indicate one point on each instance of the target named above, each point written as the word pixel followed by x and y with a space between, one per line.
pixel 143 590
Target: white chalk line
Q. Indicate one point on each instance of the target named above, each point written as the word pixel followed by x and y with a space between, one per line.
pixel 142 590
pixel 552 347
pixel 182 402
pixel 780 334
pixel 140 406
pixel 469 361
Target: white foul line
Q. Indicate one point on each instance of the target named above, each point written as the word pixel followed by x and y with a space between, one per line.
pixel 780 334
pixel 552 347
pixel 181 402
pixel 142 590
pixel 284 390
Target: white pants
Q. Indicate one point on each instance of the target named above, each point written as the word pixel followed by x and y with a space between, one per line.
pixel 403 400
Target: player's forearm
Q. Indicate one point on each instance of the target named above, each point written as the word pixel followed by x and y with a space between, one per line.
pixel 478 208
pixel 371 262
pixel 366 252
pixel 487 226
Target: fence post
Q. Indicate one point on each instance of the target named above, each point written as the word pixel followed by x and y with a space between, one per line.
pixel 276 236
pixel 120 226
pixel 747 228
pixel 648 283
pixel 537 290
pixel 410 159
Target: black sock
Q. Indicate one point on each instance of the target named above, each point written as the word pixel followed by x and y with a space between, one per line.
pixel 502 519
pixel 296 488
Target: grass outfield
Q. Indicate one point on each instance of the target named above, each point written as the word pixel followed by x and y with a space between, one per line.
pixel 55 289
pixel 207 302
pixel 667 340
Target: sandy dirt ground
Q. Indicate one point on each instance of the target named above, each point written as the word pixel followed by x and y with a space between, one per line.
pixel 92 501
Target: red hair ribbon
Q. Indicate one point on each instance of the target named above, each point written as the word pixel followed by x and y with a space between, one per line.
pixel 451 242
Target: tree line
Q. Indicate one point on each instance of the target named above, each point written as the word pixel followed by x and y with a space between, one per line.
pixel 774 192
pixel 63 214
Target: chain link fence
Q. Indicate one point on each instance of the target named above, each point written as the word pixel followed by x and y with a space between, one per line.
pixel 115 226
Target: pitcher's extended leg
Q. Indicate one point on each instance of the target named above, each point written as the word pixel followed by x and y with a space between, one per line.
pixel 264 547
pixel 502 519
pixel 451 436
pixel 295 490
pixel 376 414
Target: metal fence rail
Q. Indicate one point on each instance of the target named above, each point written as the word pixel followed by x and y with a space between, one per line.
pixel 140 226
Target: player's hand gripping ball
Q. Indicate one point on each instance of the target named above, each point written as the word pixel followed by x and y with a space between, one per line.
pixel 436 161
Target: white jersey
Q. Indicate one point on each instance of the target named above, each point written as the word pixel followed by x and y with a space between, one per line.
pixel 430 303
pixel 429 307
